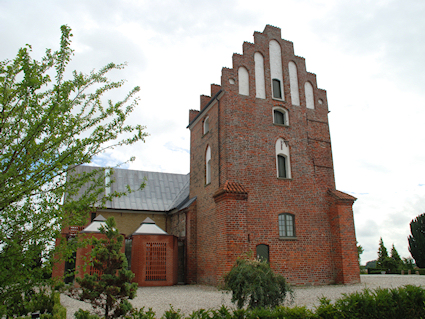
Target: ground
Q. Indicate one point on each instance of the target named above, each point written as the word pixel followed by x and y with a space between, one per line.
pixel 193 297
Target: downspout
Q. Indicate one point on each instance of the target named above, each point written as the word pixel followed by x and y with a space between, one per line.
pixel 218 143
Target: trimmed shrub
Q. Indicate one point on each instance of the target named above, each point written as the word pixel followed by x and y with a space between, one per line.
pixel 402 302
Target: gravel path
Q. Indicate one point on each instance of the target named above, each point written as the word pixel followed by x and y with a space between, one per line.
pixel 193 297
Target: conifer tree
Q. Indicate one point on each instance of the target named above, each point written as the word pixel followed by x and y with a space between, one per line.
pixel 382 260
pixel 417 240
pixel 108 292
pixel 396 257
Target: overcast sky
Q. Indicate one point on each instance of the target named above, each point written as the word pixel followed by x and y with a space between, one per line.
pixel 368 55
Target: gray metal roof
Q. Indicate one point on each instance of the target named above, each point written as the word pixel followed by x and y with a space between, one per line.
pixel 163 191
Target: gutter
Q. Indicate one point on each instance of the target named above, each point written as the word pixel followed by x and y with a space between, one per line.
pixel 216 97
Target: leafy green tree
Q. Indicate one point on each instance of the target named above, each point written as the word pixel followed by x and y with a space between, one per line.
pixel 371 264
pixel 108 292
pixel 360 251
pixel 50 122
pixel 382 261
pixel 408 263
pixel 252 282
pixel 417 240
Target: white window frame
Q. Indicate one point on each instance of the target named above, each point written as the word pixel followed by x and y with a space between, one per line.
pixel 286 223
pixel 285 113
pixel 282 149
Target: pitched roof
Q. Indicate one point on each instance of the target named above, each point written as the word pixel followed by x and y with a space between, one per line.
pixel 149 227
pixel 341 195
pixel 95 225
pixel 231 188
pixel 162 192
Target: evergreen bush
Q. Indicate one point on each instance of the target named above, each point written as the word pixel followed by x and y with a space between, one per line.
pixel 253 283
pixel 108 292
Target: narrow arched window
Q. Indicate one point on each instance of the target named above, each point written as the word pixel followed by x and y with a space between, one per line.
pixel 260 87
pixel 286 225
pixel 243 79
pixel 208 165
pixel 283 163
pixel 276 70
pixel 263 252
pixel 206 125
pixel 293 82
pixel 309 95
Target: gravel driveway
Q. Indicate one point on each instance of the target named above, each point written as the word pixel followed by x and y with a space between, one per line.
pixel 193 297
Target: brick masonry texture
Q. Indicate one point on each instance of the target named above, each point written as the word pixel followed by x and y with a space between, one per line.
pixel 242 138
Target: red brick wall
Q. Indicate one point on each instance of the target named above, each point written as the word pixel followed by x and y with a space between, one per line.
pixel 58 268
pixel 344 242
pixel 83 254
pixel 242 139
pixel 191 244
pixel 138 259
pixel 232 232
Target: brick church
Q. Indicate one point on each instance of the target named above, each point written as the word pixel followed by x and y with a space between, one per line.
pixel 261 180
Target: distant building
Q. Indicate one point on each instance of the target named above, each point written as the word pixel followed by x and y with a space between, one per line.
pixel 261 177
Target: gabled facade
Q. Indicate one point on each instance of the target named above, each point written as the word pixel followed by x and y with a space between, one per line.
pixel 261 177
pixel 262 171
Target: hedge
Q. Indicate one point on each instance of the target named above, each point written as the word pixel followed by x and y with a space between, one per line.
pixel 402 302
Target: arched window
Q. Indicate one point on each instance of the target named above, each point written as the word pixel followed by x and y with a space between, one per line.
pixel 280 116
pixel 262 252
pixel 276 73
pixel 243 79
pixel 309 95
pixel 286 225
pixel 260 88
pixel 208 165
pixel 283 167
pixel 206 125
pixel 293 81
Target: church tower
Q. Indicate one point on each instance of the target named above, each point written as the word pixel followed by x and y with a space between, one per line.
pixel 262 173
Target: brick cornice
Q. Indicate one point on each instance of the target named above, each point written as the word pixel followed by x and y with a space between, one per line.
pixel 341 197
pixel 230 190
